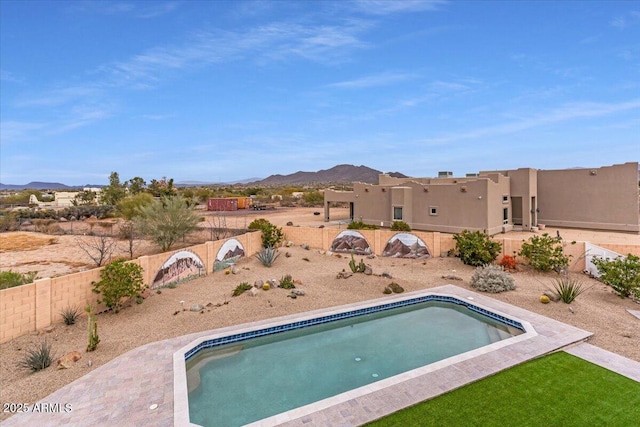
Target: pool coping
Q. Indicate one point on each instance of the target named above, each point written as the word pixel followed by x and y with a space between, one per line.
pixel 327 315
pixel 137 388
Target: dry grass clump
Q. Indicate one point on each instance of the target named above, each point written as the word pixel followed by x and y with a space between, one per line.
pixel 24 242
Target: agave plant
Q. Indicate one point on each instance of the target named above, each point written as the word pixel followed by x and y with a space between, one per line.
pixel 267 256
pixel 39 357
pixel 568 288
pixel 70 314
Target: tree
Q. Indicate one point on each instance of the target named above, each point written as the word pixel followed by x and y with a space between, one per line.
pixel 162 188
pixel 129 207
pixel 314 198
pixel 136 185
pixel 84 197
pixel 115 191
pixel 167 220
pixel 129 233
pixel 476 248
pixel 98 248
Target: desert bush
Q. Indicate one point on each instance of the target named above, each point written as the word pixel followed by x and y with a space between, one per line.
pixel 38 357
pixel 508 262
pixel 9 279
pixel 271 235
pixel 92 329
pixel 359 225
pixel 394 288
pixel 568 288
pixel 492 278
pixel 70 314
pixel 476 248
pixel 267 256
pixel 400 226
pixel 8 220
pixel 622 274
pixel 286 282
pixel 240 289
pixel 545 253
pixel 119 281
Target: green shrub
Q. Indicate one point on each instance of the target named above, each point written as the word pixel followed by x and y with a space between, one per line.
pixel 568 288
pixel 545 253
pixel 38 357
pixel 622 274
pixel 267 256
pixel 359 225
pixel 240 289
pixel 492 278
pixel 119 281
pixel 393 287
pixel 286 282
pixel 400 226
pixel 9 279
pixel 70 314
pixel 272 236
pixel 476 248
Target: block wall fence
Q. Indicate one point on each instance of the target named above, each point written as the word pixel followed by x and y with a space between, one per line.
pixel 28 308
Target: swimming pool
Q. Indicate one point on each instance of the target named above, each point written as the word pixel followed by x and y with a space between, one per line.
pixel 259 372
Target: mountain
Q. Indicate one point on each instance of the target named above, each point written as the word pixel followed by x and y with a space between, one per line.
pixel 337 174
pixel 36 185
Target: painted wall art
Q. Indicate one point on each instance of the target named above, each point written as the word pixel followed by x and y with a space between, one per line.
pixel 180 266
pixel 406 245
pixel 351 241
pixel 229 254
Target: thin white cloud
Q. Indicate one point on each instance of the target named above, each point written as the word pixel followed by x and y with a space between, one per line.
pixel 58 97
pixel 629 20
pixel 383 79
pixel 386 7
pixel 9 77
pixel 565 113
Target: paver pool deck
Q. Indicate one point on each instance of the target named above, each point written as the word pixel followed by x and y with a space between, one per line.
pixel 123 391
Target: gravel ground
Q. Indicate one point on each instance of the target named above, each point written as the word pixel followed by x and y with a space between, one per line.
pixel 160 316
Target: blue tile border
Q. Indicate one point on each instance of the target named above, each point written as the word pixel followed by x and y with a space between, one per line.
pixel 346 315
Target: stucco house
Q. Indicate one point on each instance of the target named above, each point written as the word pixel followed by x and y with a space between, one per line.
pixel 604 198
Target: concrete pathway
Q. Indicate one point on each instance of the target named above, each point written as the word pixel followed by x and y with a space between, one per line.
pixel 611 361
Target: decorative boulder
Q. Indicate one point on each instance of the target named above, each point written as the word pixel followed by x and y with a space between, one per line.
pixel 387 275
pixel 67 361
pixel 196 307
pixel 298 292
pixel 235 270
pixel 552 296
pixel 253 292
pixel 258 284
pixel 368 271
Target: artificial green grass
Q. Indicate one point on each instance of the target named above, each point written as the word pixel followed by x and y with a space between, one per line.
pixel 556 390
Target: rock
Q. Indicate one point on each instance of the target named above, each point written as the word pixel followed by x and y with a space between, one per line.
pixel 372 256
pixel 253 292
pixel 67 361
pixel 289 224
pixel 196 307
pixel 297 282
pixel 451 277
pixel 387 275
pixel 273 282
pixel 48 329
pixel 210 304
pixel 552 296
pixel 304 246
pixel 287 254
pixel 321 226
pixel 298 292
pixel 368 271
pixel 289 243
pixel 344 275
pixel 292 295
pixel 62 219
pixel 258 283
pixel 235 270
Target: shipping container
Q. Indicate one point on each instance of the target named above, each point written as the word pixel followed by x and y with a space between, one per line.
pixel 222 204
pixel 244 202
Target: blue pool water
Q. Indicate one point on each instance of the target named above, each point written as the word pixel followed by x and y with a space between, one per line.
pixel 246 381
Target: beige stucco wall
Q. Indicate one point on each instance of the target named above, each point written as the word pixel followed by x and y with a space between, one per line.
pixel 601 198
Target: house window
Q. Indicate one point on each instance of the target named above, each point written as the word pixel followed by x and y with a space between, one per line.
pixel 433 210
pixel 505 215
pixel 505 198
pixel 397 214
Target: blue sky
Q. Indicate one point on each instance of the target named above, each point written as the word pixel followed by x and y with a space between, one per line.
pixel 222 91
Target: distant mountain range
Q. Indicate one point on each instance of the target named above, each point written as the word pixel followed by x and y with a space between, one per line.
pixel 337 174
pixel 340 174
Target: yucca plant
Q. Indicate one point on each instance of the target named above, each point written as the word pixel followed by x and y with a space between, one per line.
pixel 267 256
pixel 39 357
pixel 568 288
pixel 70 314
pixel 241 288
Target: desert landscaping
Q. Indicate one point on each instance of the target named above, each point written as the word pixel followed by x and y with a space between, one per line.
pixel 167 312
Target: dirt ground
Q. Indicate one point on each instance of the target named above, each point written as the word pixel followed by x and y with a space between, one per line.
pixel 597 310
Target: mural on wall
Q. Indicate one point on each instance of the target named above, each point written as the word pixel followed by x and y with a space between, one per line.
pixel 351 241
pixel 229 253
pixel 406 245
pixel 180 266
